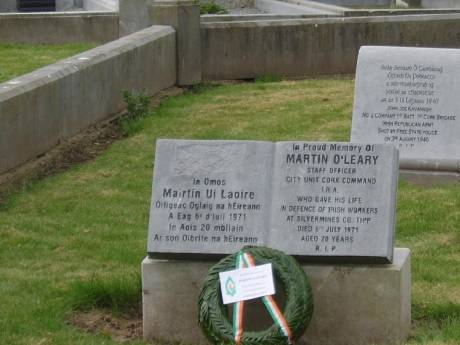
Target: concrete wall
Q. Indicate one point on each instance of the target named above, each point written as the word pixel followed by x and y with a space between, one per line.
pixel 314 46
pixel 211 18
pixel 361 3
pixel 8 6
pixel 100 5
pixel 58 28
pixel 54 103
pixel 397 11
pixel 64 5
pixel 133 15
pixel 441 3
pixel 296 7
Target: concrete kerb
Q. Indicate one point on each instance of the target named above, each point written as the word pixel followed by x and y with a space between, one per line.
pixel 41 108
pixel 299 54
pixel 330 9
pixel 133 16
pixel 301 47
pixel 425 172
pixel 446 165
pixel 429 177
pixel 58 14
pixel 361 3
pixel 212 18
pixel 59 27
pixel 208 18
pixel 184 17
pixel 280 7
pixel 337 20
pixel 396 12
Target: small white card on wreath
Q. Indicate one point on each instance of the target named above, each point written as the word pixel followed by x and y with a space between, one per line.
pixel 246 283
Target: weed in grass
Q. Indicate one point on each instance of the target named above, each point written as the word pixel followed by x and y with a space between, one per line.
pixel 137 104
pixel 138 107
pixel 130 126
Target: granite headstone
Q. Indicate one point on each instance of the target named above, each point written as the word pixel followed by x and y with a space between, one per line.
pixel 409 97
pixel 310 199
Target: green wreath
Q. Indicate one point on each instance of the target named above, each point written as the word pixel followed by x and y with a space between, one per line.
pixel 298 309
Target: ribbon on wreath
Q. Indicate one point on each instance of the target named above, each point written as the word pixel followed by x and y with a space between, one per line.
pixel 246 260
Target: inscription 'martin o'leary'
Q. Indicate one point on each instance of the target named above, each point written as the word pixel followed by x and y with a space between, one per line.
pixel 409 97
pixel 308 199
pixel 337 159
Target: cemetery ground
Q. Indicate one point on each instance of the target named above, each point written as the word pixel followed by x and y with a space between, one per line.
pixel 18 59
pixel 71 244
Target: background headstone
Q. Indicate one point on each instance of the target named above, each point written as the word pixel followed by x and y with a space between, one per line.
pixel 410 97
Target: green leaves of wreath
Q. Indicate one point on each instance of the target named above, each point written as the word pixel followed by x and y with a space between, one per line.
pixel 213 316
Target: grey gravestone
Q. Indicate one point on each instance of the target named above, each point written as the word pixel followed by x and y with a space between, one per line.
pixel 334 199
pixel 410 97
pixel 209 196
pixel 316 200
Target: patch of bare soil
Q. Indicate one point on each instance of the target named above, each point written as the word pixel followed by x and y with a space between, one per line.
pixel 83 147
pixel 120 328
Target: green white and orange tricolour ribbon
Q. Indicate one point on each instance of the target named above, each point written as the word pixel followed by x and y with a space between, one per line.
pixel 246 260
pixel 238 308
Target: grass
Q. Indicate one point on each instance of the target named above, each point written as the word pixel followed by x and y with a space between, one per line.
pixel 19 59
pixel 120 294
pixel 76 240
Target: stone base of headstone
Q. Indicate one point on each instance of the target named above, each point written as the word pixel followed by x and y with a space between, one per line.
pixel 353 304
pixel 429 178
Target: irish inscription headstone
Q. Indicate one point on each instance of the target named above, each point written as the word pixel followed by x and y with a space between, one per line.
pixel 409 97
pixel 305 198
